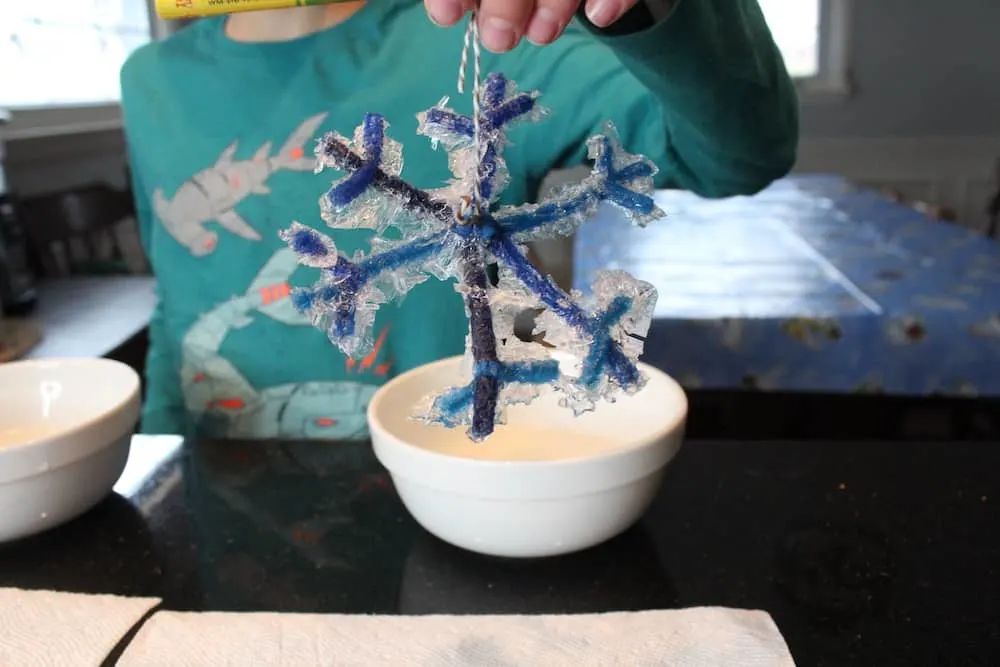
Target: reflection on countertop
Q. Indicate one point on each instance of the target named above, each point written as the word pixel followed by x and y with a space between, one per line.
pixel 864 553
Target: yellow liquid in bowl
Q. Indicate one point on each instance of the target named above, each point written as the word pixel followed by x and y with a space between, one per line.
pixel 11 436
pixel 513 443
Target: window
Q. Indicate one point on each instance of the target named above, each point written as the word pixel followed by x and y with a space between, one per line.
pixel 795 26
pixel 812 36
pixel 60 59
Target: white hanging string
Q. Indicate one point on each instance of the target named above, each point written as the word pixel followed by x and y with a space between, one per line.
pixel 472 41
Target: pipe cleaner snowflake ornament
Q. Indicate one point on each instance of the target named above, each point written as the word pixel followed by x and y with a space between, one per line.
pixel 455 233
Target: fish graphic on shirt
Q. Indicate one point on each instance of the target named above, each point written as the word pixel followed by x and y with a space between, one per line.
pixel 222 400
pixel 212 194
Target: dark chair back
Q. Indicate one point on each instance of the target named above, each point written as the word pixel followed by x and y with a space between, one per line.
pixel 84 231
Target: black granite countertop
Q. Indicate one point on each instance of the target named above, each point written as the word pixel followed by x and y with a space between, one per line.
pixel 864 553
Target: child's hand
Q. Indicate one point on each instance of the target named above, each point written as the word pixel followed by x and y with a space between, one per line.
pixel 502 23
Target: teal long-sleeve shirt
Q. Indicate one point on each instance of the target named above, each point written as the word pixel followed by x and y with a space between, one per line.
pixel 220 138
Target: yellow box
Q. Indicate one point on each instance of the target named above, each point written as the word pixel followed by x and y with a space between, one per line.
pixel 187 9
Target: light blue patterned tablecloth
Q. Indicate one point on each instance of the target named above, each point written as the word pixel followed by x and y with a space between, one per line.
pixel 812 285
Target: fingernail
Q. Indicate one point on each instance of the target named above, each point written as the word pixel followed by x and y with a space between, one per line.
pixel 544 26
pixel 603 13
pixel 446 13
pixel 497 34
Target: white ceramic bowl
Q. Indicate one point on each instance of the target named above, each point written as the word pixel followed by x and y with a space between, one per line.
pixel 65 429
pixel 544 484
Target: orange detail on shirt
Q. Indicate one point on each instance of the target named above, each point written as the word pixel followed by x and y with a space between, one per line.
pixel 271 293
pixel 200 377
pixel 370 361
pixel 372 356
pixel 227 403
pixel 325 422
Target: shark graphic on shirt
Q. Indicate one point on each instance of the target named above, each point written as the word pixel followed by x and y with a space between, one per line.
pixel 212 194
pixel 224 403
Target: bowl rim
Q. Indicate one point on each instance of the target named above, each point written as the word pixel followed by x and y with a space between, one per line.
pixel 628 448
pixel 48 452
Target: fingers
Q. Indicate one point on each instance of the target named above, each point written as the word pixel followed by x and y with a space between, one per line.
pixel 502 23
pixel 549 20
pixel 446 12
pixel 603 13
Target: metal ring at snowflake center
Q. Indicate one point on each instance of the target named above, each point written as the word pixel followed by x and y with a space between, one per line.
pixel 467 212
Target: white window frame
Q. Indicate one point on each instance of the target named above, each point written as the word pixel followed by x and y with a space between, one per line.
pixel 52 121
pixel 833 80
pixel 55 121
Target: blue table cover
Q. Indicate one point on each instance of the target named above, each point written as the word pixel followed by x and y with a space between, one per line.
pixel 811 285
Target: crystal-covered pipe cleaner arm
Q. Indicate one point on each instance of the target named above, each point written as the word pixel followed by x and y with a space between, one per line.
pixel 346 287
pixel 456 406
pixel 605 354
pixel 500 106
pixel 479 403
pixel 365 171
pixel 486 373
pixel 619 178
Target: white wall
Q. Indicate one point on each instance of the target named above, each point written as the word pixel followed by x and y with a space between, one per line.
pixel 924 116
pixel 956 172
pixel 920 68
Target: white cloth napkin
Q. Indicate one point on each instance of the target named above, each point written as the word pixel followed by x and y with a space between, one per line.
pixel 44 628
pixel 698 637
